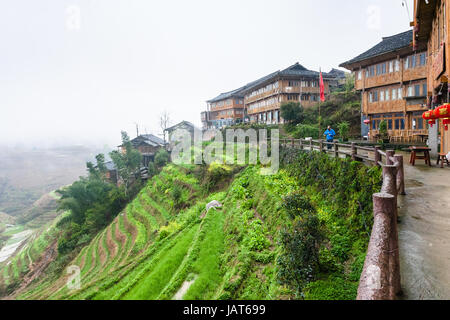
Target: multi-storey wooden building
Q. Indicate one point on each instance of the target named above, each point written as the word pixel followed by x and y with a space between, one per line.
pixel 148 145
pixel 392 79
pixel 226 109
pixel 431 28
pixel 260 100
pixel 264 97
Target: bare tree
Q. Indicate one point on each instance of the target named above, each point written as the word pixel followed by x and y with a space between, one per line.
pixel 164 122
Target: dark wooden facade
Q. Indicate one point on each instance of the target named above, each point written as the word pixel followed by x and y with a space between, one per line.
pixel 432 29
pixel 226 109
pixel 392 80
pixel 260 101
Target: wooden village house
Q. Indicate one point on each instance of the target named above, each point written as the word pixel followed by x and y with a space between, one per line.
pixel 224 110
pixel 391 77
pixel 260 101
pixel 431 29
pixel 148 145
pixel 183 125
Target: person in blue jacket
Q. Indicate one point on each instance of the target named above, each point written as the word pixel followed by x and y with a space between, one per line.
pixel 329 134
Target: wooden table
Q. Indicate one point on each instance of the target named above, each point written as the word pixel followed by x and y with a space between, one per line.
pixel 421 135
pixel 442 158
pixel 414 156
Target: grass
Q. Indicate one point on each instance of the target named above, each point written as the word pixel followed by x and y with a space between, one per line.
pixel 152 284
pixel 207 266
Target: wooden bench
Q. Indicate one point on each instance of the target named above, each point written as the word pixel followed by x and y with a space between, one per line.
pixel 442 158
pixel 414 156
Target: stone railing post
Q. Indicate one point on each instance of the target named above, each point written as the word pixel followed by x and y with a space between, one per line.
pixel 389 154
pixel 354 151
pixel 375 278
pixel 390 187
pixel 400 175
pixel 377 156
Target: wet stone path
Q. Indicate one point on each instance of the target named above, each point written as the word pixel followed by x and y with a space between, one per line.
pixel 424 232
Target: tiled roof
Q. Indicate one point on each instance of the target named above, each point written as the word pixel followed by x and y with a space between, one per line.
pixel 235 93
pixel 110 166
pixel 294 70
pixel 388 44
pixel 181 124
pixel 149 139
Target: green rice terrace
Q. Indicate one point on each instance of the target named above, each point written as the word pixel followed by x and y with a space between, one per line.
pixel 299 234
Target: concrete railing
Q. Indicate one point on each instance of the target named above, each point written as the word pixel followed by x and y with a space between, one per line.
pixel 380 278
pixel 349 150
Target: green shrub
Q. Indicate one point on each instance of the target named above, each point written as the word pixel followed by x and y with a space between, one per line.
pixel 216 173
pixel 333 288
pixel 302 131
pixel 161 158
pixel 296 203
pixel 299 261
pixel 344 128
pixel 255 238
pixel 171 228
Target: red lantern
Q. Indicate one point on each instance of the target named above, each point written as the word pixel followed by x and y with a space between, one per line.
pixel 442 111
pixel 430 116
pixel 446 122
pixel 367 121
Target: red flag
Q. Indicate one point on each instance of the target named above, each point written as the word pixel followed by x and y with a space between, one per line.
pixel 322 88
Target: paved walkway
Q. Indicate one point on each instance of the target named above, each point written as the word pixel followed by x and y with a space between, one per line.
pixel 424 232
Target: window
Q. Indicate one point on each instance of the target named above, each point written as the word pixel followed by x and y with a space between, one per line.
pixel 417 121
pixel 370 97
pixel 391 66
pixel 413 61
pixel 420 123
pixel 359 75
pixel 417 90
pixel 372 71
pixel 378 69
pixel 394 94
pixel 400 94
pixel 410 91
pixel 407 63
pixel 423 59
pixel 397 65
pixel 381 95
pixel 386 95
pixel 375 96
pixel 383 68
pixel 424 89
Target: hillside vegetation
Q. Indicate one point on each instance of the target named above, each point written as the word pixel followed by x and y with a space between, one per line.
pixel 299 234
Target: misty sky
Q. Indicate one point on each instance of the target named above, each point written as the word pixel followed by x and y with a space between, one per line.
pixel 81 71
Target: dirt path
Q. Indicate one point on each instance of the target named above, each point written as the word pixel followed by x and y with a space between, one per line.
pixel 184 288
pixel 424 232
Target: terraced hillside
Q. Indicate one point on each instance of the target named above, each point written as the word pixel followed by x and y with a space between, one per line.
pixel 165 246
pixel 29 259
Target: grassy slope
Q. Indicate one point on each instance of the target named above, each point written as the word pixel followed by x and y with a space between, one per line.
pixel 231 253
